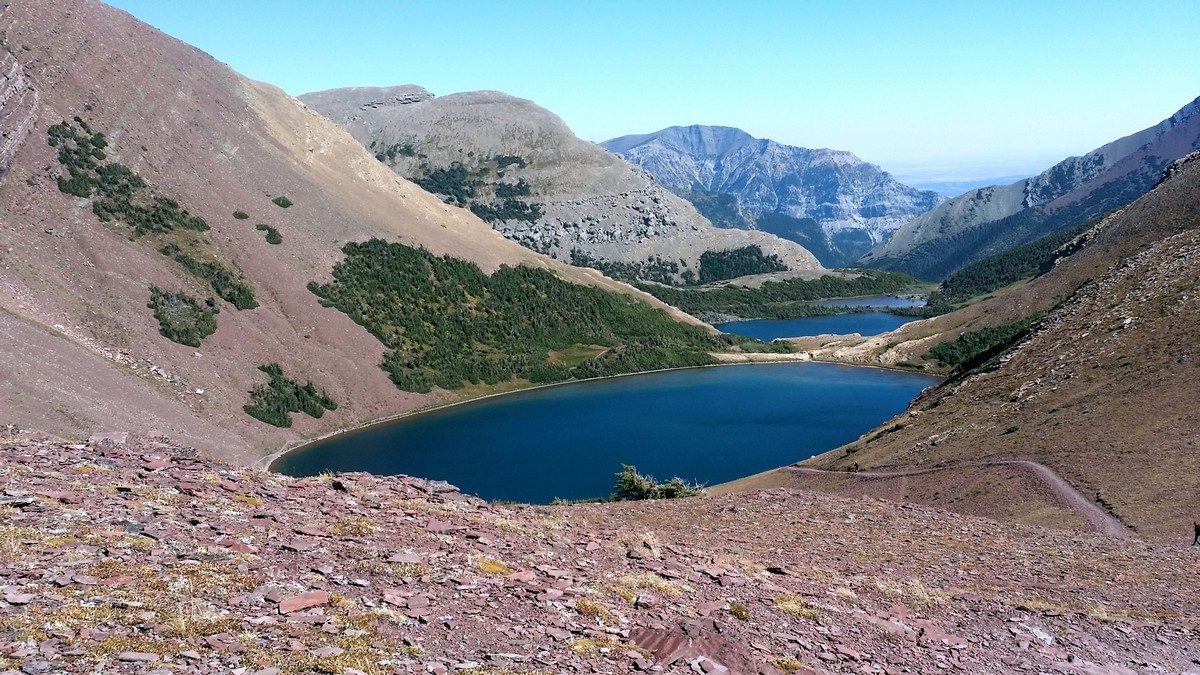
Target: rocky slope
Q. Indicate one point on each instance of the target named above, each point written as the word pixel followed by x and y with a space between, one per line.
pixel 829 200
pixel 1101 391
pixel 80 351
pixel 991 219
pixel 134 557
pixel 585 200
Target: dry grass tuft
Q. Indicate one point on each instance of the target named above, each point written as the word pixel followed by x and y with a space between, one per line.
pixel 489 565
pixel 787 664
pixel 353 526
pixel 739 610
pixel 595 610
pixel 796 606
pixel 591 645
pixel 629 585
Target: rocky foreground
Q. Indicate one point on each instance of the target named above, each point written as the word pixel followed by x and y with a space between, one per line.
pixel 139 557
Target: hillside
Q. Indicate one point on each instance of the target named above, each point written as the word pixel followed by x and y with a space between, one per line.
pixel 991 219
pixel 518 166
pixel 1101 391
pixel 136 557
pixel 830 201
pixel 121 145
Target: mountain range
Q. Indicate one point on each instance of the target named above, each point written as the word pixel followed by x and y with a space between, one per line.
pixel 520 167
pixel 829 200
pixel 991 219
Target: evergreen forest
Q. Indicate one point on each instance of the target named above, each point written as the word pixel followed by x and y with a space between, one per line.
pixel 447 323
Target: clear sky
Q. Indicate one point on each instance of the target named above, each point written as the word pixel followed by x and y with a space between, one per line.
pixel 957 89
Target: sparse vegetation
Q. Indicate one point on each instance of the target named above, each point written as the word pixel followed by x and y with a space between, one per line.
pixel 282 202
pixel 796 606
pixel 232 290
pixel 469 188
pixel 117 193
pixel 181 318
pixel 739 610
pixel 489 565
pixel 273 402
pixel 632 485
pixel 447 323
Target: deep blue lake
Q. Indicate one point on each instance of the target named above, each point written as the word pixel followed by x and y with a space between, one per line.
pixel 706 425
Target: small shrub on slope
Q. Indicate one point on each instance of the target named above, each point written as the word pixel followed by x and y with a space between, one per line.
pixel 273 403
pixel 181 318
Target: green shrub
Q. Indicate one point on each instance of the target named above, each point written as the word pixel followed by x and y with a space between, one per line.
pixel 282 202
pixel 738 262
pixel 273 236
pixel 241 215
pixel 273 402
pixel 632 486
pixel 973 348
pixel 181 318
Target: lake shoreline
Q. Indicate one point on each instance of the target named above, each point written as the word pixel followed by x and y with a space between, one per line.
pixel 269 461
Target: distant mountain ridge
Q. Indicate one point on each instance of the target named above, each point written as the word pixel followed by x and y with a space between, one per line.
pixel 992 219
pixel 829 200
pixel 520 167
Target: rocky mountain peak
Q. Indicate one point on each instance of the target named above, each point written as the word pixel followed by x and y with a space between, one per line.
pixel 370 98
pixel 828 200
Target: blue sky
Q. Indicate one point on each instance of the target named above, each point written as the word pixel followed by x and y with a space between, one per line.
pixel 947 90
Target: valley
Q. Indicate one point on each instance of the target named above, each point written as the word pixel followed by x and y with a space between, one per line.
pixel 960 433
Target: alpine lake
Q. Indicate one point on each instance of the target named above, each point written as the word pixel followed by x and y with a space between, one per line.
pixel 568 441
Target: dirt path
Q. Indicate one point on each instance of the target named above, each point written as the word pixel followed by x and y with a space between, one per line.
pixel 1100 519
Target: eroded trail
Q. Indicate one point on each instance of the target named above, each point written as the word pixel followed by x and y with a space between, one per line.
pixel 1101 520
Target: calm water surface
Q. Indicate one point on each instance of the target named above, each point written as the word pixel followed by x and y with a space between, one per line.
pixel 871 301
pixel 707 425
pixel 864 323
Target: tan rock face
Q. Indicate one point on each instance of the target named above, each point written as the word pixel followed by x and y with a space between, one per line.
pixel 593 201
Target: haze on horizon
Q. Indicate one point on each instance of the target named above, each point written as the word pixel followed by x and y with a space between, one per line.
pixel 931 91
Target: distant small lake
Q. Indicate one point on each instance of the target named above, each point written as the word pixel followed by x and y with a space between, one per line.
pixel 870 301
pixel 707 425
pixel 863 323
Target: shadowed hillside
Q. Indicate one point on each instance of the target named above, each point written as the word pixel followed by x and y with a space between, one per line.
pixel 135 162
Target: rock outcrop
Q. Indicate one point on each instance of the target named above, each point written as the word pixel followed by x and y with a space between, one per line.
pixel 834 203
pixel 592 207
pixel 18 108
